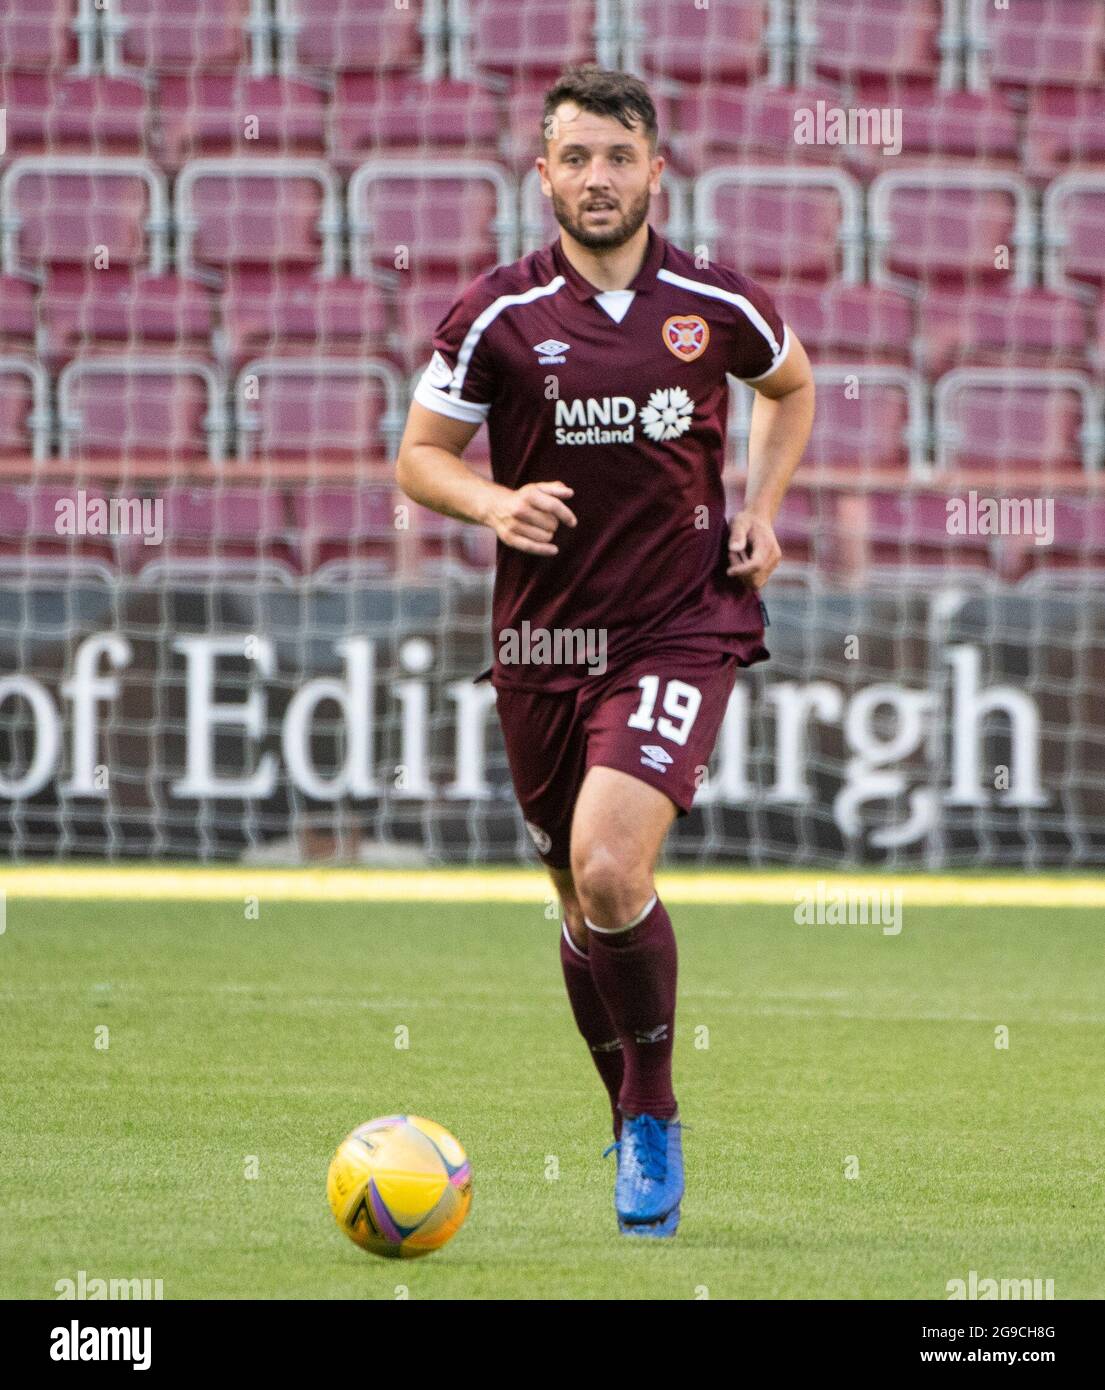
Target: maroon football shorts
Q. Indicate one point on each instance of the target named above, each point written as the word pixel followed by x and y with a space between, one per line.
pixel 655 718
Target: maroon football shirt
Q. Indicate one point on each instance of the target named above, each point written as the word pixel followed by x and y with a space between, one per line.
pixel 627 404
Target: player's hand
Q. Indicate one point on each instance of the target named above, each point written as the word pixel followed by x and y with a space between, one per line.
pixel 527 517
pixel 753 550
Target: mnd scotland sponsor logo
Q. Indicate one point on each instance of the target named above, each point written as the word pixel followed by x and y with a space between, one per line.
pixel 667 414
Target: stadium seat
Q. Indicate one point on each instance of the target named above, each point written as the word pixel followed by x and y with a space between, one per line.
pixel 869 419
pixel 1064 127
pixel 330 36
pixel 853 323
pixel 261 211
pixel 421 305
pixel 30 539
pixel 446 546
pixel 1074 233
pixel 318 409
pixel 222 113
pixel 17 314
pixel 218 533
pixel 120 309
pixel 727 40
pixel 44 36
pixel 345 530
pixel 781 223
pixel 141 407
pixel 265 312
pixel 376 113
pixel 538 37
pixel 1036 43
pixel 83 210
pixel 24 408
pixel 185 36
pixel 1016 419
pixel 1000 328
pixel 909 530
pixel 453 217
pixel 881 39
pixel 52 114
pixel 1079 536
pixel 940 226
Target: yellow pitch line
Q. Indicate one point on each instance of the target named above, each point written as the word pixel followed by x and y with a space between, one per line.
pixel 235 883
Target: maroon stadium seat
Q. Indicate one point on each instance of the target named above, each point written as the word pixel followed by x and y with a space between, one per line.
pixel 1074 230
pixel 1079 539
pixel 875 426
pixel 266 312
pixel 347 35
pixel 911 529
pixel 540 36
pixel 380 112
pixel 258 211
pixel 318 408
pixel 805 229
pixel 210 113
pixel 881 39
pixel 29 534
pixel 185 36
pixel 1000 327
pixel 452 218
pixel 17 314
pixel 215 532
pixel 351 528
pixel 65 207
pixel 144 407
pixel 37 36
pixel 121 309
pixel 1038 421
pixel 849 322
pixel 422 304
pixel 49 113
pixel 928 225
pixel 24 396
pixel 722 41
pixel 1064 127
pixel 1037 43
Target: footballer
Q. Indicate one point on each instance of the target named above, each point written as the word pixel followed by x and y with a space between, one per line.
pixel 624 600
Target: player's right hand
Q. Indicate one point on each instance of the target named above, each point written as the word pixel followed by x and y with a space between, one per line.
pixel 526 518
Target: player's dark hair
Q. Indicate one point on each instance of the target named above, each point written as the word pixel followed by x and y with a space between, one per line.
pixel 605 92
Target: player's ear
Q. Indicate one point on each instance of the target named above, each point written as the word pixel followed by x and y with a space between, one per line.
pixel 657 164
pixel 541 164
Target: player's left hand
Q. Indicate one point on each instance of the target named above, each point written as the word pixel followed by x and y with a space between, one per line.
pixel 753 550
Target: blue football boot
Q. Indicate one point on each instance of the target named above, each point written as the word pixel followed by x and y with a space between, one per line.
pixel 649 1185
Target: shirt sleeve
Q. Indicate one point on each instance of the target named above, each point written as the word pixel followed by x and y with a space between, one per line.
pixel 760 341
pixel 460 380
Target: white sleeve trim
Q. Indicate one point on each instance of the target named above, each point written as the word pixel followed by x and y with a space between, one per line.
pixel 472 412
pixel 779 359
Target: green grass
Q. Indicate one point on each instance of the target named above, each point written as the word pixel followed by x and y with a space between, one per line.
pixel 231 1038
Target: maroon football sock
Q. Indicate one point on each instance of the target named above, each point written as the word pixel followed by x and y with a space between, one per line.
pixel 593 1022
pixel 634 971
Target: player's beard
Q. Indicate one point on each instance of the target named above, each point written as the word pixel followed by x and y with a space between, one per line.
pixel 614 236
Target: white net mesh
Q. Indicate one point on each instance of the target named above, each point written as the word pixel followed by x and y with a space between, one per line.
pixel 229 228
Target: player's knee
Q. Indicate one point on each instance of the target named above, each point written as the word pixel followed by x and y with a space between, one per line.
pixel 609 883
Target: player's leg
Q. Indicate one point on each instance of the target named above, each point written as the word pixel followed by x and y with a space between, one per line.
pixel 546 747
pixel 617 831
pixel 592 1018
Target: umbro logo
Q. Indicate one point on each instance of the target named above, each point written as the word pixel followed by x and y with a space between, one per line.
pixel 655 757
pixel 550 351
pixel 650 1035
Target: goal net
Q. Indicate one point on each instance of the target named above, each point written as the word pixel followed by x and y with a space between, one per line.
pixel 228 231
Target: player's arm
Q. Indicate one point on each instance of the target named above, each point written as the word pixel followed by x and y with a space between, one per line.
pixel 430 470
pixel 782 417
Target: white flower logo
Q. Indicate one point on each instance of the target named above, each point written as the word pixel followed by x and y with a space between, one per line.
pixel 667 414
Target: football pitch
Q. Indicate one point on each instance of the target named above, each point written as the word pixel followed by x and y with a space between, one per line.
pixel 178 1072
